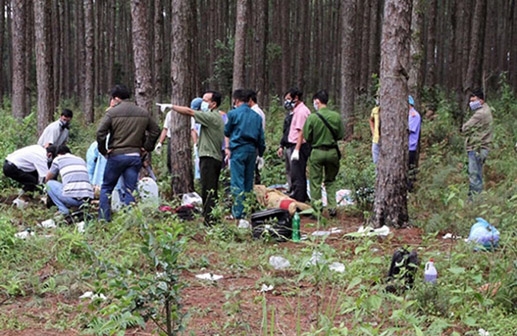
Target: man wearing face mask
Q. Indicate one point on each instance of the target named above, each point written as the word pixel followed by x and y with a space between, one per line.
pixel 322 130
pixel 478 132
pixel 244 141
pixel 56 133
pixel 301 150
pixel 209 145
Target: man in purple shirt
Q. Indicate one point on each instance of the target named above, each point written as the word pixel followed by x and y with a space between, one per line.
pixel 414 122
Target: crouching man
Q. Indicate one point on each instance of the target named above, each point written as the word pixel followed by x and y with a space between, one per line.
pixel 75 188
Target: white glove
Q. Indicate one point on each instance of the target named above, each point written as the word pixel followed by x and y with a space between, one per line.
pixel 260 162
pixel 158 148
pixel 295 155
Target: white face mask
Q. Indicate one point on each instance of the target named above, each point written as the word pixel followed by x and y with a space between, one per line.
pixel 315 104
pixel 474 105
pixel 204 106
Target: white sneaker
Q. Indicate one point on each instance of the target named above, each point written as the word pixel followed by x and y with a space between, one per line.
pixel 244 224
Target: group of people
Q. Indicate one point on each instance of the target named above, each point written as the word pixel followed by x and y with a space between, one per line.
pixel 477 130
pixel 127 133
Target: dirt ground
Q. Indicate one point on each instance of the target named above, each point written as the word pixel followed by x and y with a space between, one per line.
pixel 232 304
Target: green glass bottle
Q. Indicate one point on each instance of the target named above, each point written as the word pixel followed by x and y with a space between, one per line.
pixel 296 227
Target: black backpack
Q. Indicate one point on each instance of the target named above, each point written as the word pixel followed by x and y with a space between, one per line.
pixel 401 274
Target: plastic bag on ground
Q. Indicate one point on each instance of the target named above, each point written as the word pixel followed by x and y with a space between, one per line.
pixel 484 234
pixel 279 263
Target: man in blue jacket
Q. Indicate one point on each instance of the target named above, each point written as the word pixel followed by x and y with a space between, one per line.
pixel 244 138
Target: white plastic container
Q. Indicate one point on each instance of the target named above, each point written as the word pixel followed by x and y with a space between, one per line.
pixel 430 273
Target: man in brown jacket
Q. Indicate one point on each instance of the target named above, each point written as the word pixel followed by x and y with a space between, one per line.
pixel 478 132
pixel 133 132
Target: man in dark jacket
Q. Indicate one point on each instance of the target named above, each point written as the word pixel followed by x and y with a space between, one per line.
pixel 133 132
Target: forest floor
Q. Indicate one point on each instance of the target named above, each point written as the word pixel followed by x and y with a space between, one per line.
pixel 233 305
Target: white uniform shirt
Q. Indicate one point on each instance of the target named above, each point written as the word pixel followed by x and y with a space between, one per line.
pixel 29 159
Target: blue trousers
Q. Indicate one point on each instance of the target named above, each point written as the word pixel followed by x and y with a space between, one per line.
pixel 242 169
pixel 124 165
pixel 476 161
pixel 63 203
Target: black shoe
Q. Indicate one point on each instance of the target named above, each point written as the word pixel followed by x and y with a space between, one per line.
pixel 332 212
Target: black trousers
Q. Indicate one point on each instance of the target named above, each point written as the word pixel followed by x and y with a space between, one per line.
pixel 28 180
pixel 209 169
pixel 299 176
pixel 412 169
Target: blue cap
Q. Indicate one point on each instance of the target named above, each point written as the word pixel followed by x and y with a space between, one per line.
pixel 410 100
pixel 195 104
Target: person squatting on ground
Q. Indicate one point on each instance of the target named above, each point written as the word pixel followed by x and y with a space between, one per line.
pixel 27 166
pixel 132 130
pixel 74 189
pixel 322 130
pixel 302 149
pixel 478 133
pixel 245 139
pixel 414 122
pixel 255 107
pixel 209 145
pixel 56 133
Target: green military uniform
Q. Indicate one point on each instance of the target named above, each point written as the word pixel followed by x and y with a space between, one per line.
pixel 324 159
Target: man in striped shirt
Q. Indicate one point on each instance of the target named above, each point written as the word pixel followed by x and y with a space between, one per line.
pixel 74 188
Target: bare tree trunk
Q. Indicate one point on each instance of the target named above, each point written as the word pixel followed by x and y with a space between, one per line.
pixel 89 71
pixel 181 153
pixel 390 206
pixel 142 54
pixel 417 51
pixel 158 49
pixel 240 45
pixel 42 12
pixel 430 77
pixel 19 101
pixel 259 77
pixel 348 64
pixel 473 77
pixel 3 14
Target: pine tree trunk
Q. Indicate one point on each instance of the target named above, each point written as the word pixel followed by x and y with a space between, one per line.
pixel 19 102
pixel 348 64
pixel 473 77
pixel 144 94
pixel 181 153
pixel 44 72
pixel 89 71
pixel 390 207
pixel 416 50
pixel 240 45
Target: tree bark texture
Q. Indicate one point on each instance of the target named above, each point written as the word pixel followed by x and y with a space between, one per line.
pixel 348 82
pixel 181 153
pixel 239 46
pixel 89 66
pixel 19 98
pixel 144 94
pixel 390 207
pixel 416 51
pixel 44 72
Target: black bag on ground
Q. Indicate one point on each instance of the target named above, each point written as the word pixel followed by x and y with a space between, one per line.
pixel 273 223
pixel 403 267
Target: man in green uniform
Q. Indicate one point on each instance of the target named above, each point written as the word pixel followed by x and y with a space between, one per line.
pixel 322 130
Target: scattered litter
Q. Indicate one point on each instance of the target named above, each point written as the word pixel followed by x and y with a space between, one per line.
pixel 48 224
pixel 344 197
pixel 80 227
pixel 266 288
pixel 316 258
pixel 451 236
pixel 192 198
pixel 484 234
pixel 375 250
pixel 326 233
pixel 24 234
pixel 244 224
pixel 369 231
pixel 90 295
pixel 148 191
pixel 209 276
pixel 279 263
pixel 337 266
pixel 483 332
pixel 19 203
